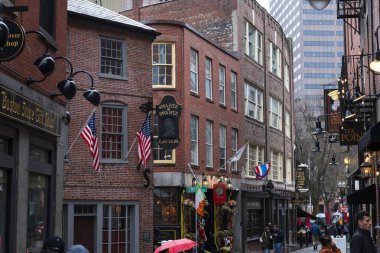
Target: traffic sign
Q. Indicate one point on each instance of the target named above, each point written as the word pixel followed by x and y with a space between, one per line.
pixel 193 189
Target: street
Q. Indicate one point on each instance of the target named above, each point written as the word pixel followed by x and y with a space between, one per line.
pixel 310 250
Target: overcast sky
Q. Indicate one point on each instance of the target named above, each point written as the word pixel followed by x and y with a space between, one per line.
pixel 264 3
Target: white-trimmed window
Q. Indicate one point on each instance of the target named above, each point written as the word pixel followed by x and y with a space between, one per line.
pixel 209 157
pixel 286 77
pixel 255 156
pixel 253 102
pixel 194 71
pixel 274 60
pixel 208 78
pixel 112 58
pixel 252 42
pixel 234 143
pixel 222 147
pixel 113 132
pixel 194 139
pixel 287 124
pixel 163 67
pixel 222 85
pixel 275 113
pixel 160 155
pixel 276 165
pixel 233 90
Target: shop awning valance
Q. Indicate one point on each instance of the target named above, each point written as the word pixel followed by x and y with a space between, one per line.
pixel 371 139
pixel 302 213
pixel 364 196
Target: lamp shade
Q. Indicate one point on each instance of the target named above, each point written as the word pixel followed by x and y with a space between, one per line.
pixel 93 96
pixel 45 64
pixel 4 34
pixel 67 88
pixel 366 170
pixel 375 64
pixel 319 4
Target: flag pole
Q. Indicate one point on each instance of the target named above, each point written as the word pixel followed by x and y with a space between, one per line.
pixel 68 151
pixel 227 161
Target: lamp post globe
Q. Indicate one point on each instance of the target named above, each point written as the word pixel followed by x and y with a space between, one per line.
pixel 319 4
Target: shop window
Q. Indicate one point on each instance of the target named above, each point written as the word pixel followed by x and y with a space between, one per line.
pixel 6 146
pixel 255 223
pixel 166 208
pixel 39 154
pixel 37 214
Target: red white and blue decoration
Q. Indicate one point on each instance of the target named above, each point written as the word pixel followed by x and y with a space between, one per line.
pixel 262 170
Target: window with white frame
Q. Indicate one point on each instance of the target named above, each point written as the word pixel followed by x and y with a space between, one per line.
pixel 286 77
pixel 234 143
pixel 194 139
pixel 255 156
pixel 276 165
pixel 222 147
pixel 222 84
pixel 275 112
pixel 288 170
pixel 208 78
pixel 233 90
pixel 253 102
pixel 163 67
pixel 112 57
pixel 160 154
pixel 252 42
pixel 287 124
pixel 274 60
pixel 113 132
pixel 209 158
pixel 194 71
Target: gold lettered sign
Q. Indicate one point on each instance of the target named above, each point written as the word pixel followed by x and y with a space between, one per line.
pixel 168 112
pixel 16 41
pixel 300 177
pixel 332 109
pixel 351 133
pixel 24 110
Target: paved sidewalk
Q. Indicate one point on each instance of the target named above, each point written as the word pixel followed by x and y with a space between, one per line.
pixel 307 250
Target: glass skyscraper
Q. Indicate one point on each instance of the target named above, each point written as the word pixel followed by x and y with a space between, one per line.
pixel 317 47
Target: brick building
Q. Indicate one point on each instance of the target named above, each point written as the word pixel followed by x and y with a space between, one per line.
pixel 108 211
pixel 31 155
pixel 264 104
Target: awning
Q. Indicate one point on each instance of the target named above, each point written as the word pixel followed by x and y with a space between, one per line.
pixel 302 213
pixel 364 196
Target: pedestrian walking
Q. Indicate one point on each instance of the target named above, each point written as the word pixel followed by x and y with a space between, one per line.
pixel 315 233
pixel 328 246
pixel 266 240
pixel 302 235
pixel 278 239
pixel 333 231
pixel 361 241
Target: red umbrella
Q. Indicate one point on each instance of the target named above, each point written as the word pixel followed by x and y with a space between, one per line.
pixel 175 246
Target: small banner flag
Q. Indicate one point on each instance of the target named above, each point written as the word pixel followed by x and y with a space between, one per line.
pixel 262 170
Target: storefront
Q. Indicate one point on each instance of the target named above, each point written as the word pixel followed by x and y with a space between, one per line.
pixel 30 175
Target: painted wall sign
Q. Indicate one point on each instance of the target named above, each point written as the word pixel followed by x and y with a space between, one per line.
pixel 16 41
pixel 219 193
pixel 168 112
pixel 332 108
pixel 26 111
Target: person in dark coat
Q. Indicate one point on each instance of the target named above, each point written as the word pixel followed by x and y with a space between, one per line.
pixel 315 233
pixel 333 231
pixel 53 244
pixel 278 239
pixel 361 241
pixel 266 240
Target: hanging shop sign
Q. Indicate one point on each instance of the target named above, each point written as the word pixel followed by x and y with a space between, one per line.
pixel 219 193
pixel 351 133
pixel 16 41
pixel 300 176
pixel 168 112
pixel 332 109
pixel 19 108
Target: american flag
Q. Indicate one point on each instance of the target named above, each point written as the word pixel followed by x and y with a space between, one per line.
pixel 88 134
pixel 145 142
